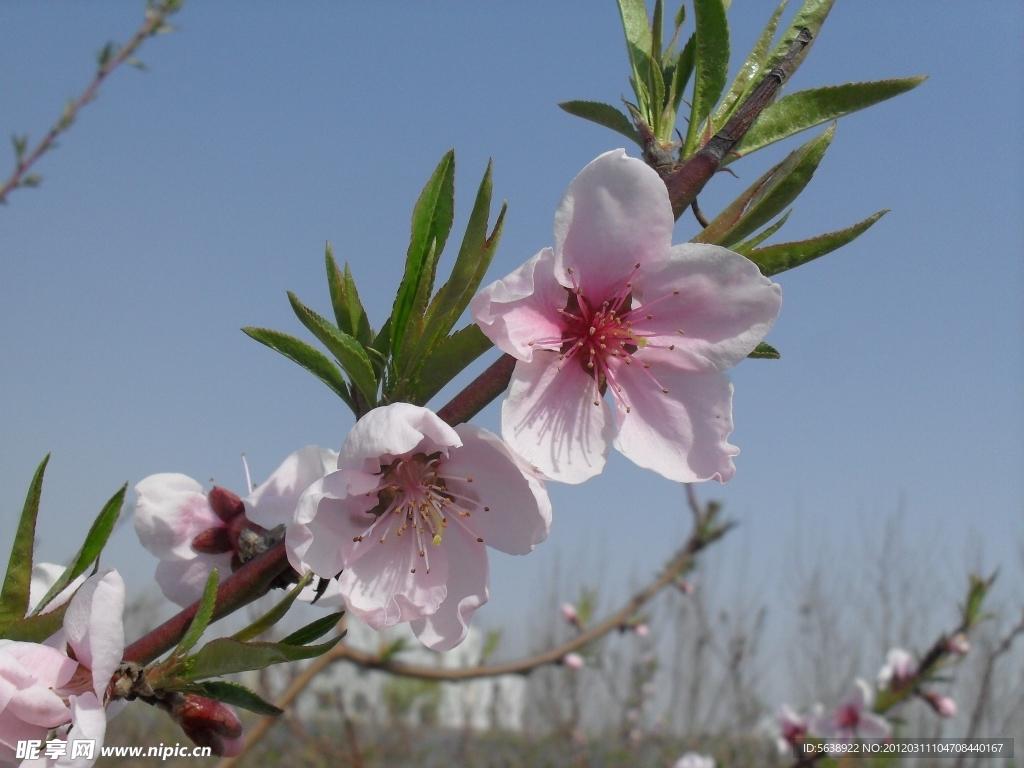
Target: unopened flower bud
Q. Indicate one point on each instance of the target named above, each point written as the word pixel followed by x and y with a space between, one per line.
pixel 684 586
pixel 573 661
pixel 208 723
pixel 958 644
pixel 225 504
pixel 212 541
pixel 641 630
pixel 943 705
pixel 570 614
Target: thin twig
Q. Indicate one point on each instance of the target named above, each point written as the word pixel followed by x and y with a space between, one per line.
pixel 698 214
pixel 155 16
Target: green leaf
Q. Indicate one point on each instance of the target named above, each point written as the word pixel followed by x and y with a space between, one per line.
pixel 309 358
pixel 225 656
pixel 14 596
pixel 348 309
pixel 602 114
pixel 230 693
pixel 449 359
pixel 771 194
pixel 657 34
pixel 765 352
pixel 811 16
pixel 751 70
pixel 748 245
pixel 382 347
pixel 314 630
pixel 346 350
pixel 203 615
pixel 778 258
pixel 35 629
pixel 275 614
pixel 638 33
pixel 806 109
pixel 431 223
pixel 683 70
pixel 96 539
pixel 712 66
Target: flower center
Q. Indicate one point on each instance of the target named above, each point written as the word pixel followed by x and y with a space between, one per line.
pixel 415 497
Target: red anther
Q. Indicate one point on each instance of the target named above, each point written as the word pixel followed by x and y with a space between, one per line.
pixel 227 505
pixel 208 723
pixel 212 541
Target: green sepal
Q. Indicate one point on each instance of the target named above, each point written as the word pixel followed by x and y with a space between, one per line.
pixel 603 114
pixel 15 592
pixel 275 614
pixel 805 109
pixel 748 245
pixel 749 74
pixel 90 551
pixel 765 352
pixel 773 259
pixel 35 629
pixel 449 359
pixel 225 656
pixel 348 309
pixel 712 68
pixel 346 350
pixel 203 615
pixel 314 630
pixel 311 359
pixel 431 222
pixel 229 693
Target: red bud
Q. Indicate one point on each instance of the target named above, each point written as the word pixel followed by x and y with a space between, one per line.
pixel 208 723
pixel 226 504
pixel 212 541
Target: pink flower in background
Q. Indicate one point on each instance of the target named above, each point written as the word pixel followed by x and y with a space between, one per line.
pixel 641 630
pixel 694 760
pixel 793 728
pixel 899 669
pixel 616 309
pixel 574 661
pixel 570 614
pixel 958 644
pixel 193 532
pixel 407 518
pixel 944 706
pixel 853 718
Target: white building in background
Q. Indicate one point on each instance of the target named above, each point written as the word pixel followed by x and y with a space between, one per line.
pixel 483 704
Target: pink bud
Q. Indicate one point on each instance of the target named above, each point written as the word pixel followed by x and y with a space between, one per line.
pixel 943 705
pixel 208 723
pixel 573 661
pixel 958 644
pixel 570 615
pixel 684 586
pixel 641 630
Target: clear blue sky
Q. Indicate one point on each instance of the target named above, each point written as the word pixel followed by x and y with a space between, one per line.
pixel 187 199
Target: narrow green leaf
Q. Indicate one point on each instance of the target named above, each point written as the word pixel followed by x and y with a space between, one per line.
pixel 230 693
pixel 363 331
pixel 309 358
pixel 657 90
pixel 275 614
pixel 348 309
pixel 806 109
pixel 683 71
pixel 602 114
pixel 406 359
pixel 811 16
pixel 35 629
pixel 14 596
pixel 748 245
pixel 449 359
pixel 90 551
pixel 657 36
pixel 712 66
pixel 382 347
pixel 225 656
pixel 346 350
pixel 638 33
pixel 203 615
pixel 431 223
pixel 314 630
pixel 773 259
pixel 751 71
pixel 765 352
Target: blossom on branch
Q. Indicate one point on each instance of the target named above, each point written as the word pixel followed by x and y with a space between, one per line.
pixel 614 308
pixel 899 669
pixel 853 718
pixel 407 518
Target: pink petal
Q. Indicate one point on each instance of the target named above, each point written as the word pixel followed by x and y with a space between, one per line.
pixel 467 590
pixel 388 432
pixel 183 581
pixel 13 730
pixel 94 629
pixel 89 721
pixel 381 590
pixel 522 308
pixel 871 726
pixel 37 705
pixel 172 509
pixel 615 214
pixel 273 502
pixel 725 306
pixel 682 435
pixel 31 663
pixel 518 514
pixel 550 420
pixel 330 514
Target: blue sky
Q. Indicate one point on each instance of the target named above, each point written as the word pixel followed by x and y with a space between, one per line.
pixel 186 201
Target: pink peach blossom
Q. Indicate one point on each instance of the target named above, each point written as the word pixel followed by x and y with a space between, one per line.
pixel 407 518
pixel 853 718
pixel 573 661
pixel 944 706
pixel 614 308
pixel 570 614
pixel 899 669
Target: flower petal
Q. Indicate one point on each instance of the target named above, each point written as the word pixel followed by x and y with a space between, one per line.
pixel 32 663
pixel 515 511
pixel 615 214
pixel 89 721
pixel 172 509
pixel 520 312
pixel 550 420
pixel 330 514
pixel 467 590
pixel 724 307
pixel 273 502
pixel 388 432
pixel 682 435
pixel 183 581
pixel 93 624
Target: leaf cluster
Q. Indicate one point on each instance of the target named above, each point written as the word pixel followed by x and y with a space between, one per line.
pixel 415 353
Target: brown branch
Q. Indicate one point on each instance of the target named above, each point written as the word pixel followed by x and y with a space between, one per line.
pixel 685 182
pixel 479 392
pixel 155 16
